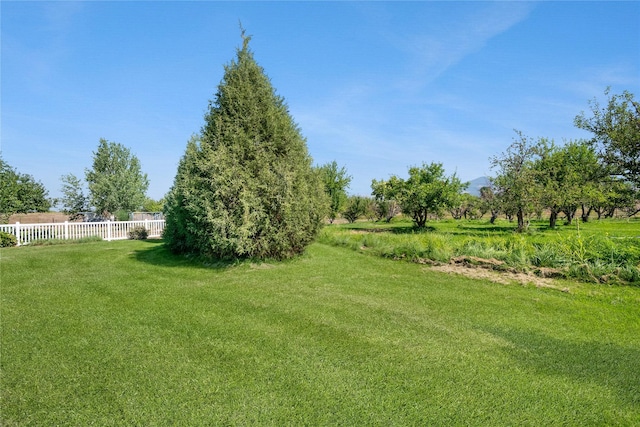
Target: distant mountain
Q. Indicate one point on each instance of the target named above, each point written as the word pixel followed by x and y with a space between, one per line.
pixel 476 184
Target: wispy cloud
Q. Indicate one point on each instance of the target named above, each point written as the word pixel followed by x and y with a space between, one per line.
pixel 434 52
pixel 40 61
pixel 592 81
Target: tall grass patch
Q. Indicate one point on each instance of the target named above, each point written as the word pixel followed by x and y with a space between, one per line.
pixel 594 252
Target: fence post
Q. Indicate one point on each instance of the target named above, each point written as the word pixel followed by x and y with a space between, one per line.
pixel 108 231
pixel 18 232
pixel 66 230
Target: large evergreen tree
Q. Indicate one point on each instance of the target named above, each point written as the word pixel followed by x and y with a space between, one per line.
pixel 245 186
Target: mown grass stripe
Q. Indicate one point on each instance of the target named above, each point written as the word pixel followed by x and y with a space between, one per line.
pixel 117 333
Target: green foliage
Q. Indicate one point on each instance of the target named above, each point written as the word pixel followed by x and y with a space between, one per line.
pixel 355 208
pixel 73 201
pixel 387 206
pixel 489 202
pixel 426 191
pixel 116 181
pixel 616 132
pixel 568 177
pixel 516 182
pixel 20 193
pixel 468 207
pixel 245 186
pixel 138 233
pixel 151 205
pixel 121 215
pixel 372 211
pixel 336 182
pixel 7 240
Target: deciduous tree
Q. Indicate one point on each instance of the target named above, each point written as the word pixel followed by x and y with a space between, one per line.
pixel 616 133
pixel 489 202
pixel 336 181
pixel 383 193
pixel 116 182
pixel 73 201
pixel 515 183
pixel 426 191
pixel 20 193
pixel 356 207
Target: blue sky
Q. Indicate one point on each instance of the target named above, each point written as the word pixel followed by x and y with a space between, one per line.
pixel 376 86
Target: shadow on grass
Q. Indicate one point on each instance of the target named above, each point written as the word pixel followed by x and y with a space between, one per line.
pixel 604 363
pixel 405 229
pixel 158 254
pixel 487 228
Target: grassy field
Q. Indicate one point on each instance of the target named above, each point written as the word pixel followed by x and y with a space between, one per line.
pixel 606 251
pixel 123 333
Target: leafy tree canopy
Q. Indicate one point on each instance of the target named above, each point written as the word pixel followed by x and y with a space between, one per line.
pixel 73 201
pixel 426 191
pixel 336 181
pixel 515 183
pixel 20 193
pixel 616 133
pixel 356 206
pixel 116 182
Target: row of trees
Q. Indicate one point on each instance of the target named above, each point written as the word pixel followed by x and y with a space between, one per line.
pixel 536 176
pixel 115 183
pixel 599 175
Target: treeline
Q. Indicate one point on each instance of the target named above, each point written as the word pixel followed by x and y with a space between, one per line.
pixel 113 186
pixel 246 185
pixel 597 176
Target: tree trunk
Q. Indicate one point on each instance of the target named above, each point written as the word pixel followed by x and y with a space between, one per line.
pixel 599 212
pixel 520 220
pixel 420 219
pixel 553 218
pixel 494 216
pixel 569 213
pixel 586 213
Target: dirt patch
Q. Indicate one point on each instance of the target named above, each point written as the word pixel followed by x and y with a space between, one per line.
pixel 484 271
pixel 474 261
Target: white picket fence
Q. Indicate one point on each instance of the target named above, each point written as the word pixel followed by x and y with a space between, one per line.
pixel 109 230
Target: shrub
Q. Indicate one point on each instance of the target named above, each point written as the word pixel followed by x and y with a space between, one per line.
pixel 7 240
pixel 138 233
pixel 121 215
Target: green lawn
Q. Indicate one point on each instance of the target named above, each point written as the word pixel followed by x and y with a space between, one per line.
pixel 123 333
